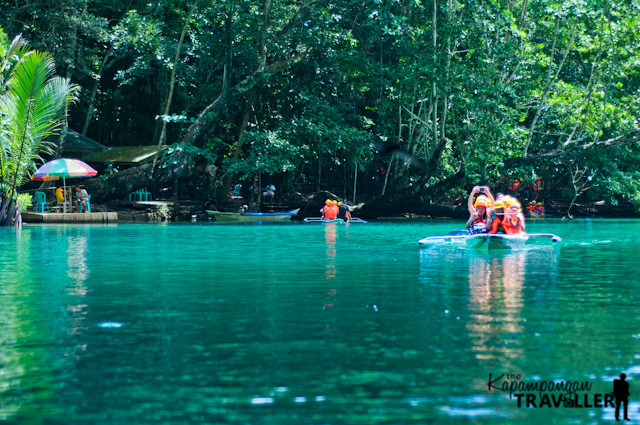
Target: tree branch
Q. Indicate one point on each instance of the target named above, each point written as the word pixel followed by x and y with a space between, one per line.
pixel 530 160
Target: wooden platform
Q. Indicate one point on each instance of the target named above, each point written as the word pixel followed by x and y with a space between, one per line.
pixel 97 217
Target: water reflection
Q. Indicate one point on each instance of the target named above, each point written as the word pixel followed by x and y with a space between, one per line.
pixel 495 321
pixel 26 382
pixel 495 305
pixel 78 272
pixel 330 236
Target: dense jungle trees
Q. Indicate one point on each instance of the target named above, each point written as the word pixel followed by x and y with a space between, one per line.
pixel 481 90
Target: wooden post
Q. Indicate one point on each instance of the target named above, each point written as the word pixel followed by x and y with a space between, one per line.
pixel 175 199
pixel 355 182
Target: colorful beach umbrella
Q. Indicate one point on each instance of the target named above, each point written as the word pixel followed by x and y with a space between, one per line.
pixel 64 168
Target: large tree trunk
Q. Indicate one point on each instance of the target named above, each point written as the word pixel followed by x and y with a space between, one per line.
pixel 172 80
pixel 92 99
pixel 238 150
pixel 11 213
pixel 410 204
pixel 177 166
pixel 212 111
pixel 417 202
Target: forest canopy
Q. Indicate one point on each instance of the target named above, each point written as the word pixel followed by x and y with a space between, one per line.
pixel 481 90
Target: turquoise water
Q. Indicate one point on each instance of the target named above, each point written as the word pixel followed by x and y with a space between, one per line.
pixel 309 324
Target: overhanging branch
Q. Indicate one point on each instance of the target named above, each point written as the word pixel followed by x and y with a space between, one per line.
pixel 545 157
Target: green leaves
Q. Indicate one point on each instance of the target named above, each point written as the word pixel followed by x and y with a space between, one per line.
pixel 33 106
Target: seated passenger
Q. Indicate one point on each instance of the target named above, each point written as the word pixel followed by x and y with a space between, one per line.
pixel 330 210
pixel 532 207
pixel 343 211
pixel 81 197
pixel 478 210
pixel 513 221
pixel 494 224
pixel 540 209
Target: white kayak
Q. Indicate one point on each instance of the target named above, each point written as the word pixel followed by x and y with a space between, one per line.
pixel 333 220
pixel 491 241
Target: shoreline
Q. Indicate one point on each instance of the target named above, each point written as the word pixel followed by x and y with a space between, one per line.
pixel 189 210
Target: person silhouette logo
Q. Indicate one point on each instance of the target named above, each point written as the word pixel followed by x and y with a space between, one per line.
pixel 621 393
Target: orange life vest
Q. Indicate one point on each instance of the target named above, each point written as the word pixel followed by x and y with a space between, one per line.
pixel 330 212
pixel 510 228
pixel 495 223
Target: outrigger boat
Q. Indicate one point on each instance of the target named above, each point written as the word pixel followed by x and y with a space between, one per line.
pixel 531 214
pixel 228 217
pixel 334 220
pixel 491 241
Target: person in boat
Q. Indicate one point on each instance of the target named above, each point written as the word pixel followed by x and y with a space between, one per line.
pixel 330 210
pixel 513 220
pixel 478 210
pixel 532 207
pixel 540 208
pixel 343 211
pixel 494 223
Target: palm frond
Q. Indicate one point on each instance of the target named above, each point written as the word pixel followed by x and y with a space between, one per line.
pixel 17 50
pixel 36 105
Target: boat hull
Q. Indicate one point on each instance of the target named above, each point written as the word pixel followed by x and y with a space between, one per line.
pixel 534 215
pixel 226 217
pixel 492 241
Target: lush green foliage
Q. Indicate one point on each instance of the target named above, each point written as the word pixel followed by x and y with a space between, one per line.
pixel 32 106
pixel 463 85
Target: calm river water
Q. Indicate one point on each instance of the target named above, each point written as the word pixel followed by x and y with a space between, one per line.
pixel 311 324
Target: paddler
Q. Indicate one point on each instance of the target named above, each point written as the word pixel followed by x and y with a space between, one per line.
pixel 513 221
pixel 478 210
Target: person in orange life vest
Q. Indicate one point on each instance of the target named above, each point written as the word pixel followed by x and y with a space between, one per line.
pixel 513 221
pixel 335 209
pixel 540 208
pixel 330 210
pixel 494 223
pixel 515 185
pixel 532 207
pixel 478 210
